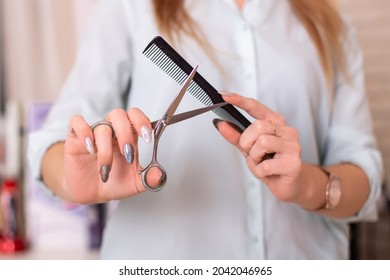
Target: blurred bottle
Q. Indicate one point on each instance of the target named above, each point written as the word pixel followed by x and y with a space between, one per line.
pixel 11 218
pixel 96 222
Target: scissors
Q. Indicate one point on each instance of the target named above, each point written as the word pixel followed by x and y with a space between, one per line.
pixel 167 119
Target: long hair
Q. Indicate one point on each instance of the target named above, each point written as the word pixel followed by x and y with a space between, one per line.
pixel 320 18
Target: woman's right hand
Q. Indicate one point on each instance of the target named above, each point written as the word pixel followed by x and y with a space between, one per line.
pixel 100 168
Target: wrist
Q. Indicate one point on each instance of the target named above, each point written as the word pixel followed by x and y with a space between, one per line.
pixel 313 185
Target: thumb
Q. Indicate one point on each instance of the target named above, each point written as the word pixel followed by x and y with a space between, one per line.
pixel 153 177
pixel 229 131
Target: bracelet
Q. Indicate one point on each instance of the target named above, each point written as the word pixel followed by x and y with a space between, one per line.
pixel 332 191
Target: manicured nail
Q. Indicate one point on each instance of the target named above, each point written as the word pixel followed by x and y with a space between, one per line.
pixel 89 145
pixel 128 151
pixel 225 93
pixel 235 127
pixel 104 172
pixel 216 122
pixel 232 125
pixel 146 134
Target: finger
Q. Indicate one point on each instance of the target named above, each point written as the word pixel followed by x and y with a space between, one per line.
pixel 289 133
pixel 272 172
pixel 103 140
pixel 261 148
pixel 79 128
pixel 141 124
pixel 268 144
pixel 262 127
pixel 124 134
pixel 154 176
pixel 283 166
pixel 250 135
pixel 230 132
pixel 252 107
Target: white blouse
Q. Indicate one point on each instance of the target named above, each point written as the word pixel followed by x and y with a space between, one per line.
pixel 212 207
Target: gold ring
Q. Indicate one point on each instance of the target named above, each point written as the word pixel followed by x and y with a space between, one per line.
pixel 273 128
pixel 96 124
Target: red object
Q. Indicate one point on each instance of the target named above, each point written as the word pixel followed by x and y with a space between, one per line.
pixel 11 235
pixel 9 185
pixel 12 245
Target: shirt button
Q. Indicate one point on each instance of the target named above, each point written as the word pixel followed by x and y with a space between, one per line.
pixel 245 27
pixel 255 239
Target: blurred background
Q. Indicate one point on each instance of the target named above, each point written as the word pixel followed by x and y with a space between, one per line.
pixel 38 45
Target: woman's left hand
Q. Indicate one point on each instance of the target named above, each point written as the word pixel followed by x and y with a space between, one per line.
pixel 268 135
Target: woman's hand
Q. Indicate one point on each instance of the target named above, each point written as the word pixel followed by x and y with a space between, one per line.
pixel 268 135
pixel 100 168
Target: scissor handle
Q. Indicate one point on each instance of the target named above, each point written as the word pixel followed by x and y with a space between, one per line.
pixel 163 178
pixel 157 132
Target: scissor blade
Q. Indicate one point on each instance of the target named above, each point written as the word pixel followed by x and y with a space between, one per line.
pixel 175 103
pixel 190 114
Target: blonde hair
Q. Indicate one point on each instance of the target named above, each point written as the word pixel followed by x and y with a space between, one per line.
pixel 320 18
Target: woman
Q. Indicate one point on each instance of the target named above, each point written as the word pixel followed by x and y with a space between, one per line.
pixel 299 70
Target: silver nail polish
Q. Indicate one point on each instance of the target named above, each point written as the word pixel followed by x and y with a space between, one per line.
pixel 104 172
pixel 89 145
pixel 146 134
pixel 128 151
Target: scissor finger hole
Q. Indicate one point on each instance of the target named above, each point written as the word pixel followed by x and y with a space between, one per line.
pixel 154 178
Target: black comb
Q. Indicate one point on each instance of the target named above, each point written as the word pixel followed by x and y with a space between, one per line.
pixel 167 59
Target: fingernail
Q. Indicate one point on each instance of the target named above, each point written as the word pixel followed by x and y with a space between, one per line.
pixel 235 127
pixel 104 172
pixel 89 145
pixel 225 93
pixel 232 125
pixel 128 151
pixel 146 134
pixel 216 122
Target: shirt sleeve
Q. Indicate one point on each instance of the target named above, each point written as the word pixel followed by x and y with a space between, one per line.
pixel 97 83
pixel 350 136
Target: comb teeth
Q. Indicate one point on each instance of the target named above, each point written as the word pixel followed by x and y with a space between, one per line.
pixel 168 60
pixel 162 60
pixel 165 63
